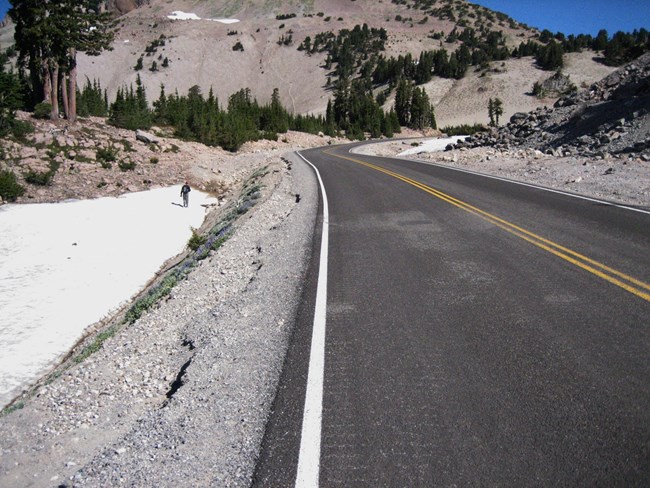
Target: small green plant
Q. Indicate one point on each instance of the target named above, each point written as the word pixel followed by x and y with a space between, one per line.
pixel 126 165
pixel 12 408
pixel 106 164
pixel 81 158
pixel 20 128
pixel 154 160
pixel 96 344
pixel 53 151
pixel 42 178
pixel 10 189
pixel 196 240
pixel 106 154
pixel 128 147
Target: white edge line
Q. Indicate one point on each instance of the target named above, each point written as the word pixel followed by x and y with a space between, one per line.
pixel 516 182
pixel 310 441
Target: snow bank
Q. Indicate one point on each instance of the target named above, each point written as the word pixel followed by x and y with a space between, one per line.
pixel 433 145
pixel 64 266
pixel 179 15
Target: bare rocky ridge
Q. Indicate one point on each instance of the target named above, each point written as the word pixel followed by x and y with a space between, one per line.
pixel 610 119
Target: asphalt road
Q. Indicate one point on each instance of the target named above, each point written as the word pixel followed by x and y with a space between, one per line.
pixel 478 332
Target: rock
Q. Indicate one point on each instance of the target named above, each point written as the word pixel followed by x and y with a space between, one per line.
pixel 146 137
pixel 518 118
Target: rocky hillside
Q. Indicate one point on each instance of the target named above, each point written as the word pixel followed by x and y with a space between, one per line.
pixel 201 52
pixel 267 36
pixel 611 118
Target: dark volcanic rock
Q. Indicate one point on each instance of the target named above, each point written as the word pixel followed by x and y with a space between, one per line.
pixel 612 117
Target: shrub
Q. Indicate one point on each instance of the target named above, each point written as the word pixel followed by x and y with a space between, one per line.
pixel 153 160
pixel 126 165
pixel 20 128
pixel 42 178
pixel 196 240
pixel 106 154
pixel 128 147
pixel 96 344
pixel 10 189
pixel 463 130
pixel 43 110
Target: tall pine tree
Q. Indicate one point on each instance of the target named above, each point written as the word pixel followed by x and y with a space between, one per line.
pixel 48 35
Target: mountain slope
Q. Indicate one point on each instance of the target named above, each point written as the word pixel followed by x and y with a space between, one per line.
pixel 200 52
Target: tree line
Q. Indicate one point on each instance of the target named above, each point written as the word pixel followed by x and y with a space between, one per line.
pixel 204 119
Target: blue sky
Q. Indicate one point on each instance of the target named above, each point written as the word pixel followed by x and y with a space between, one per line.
pixel 567 16
pixel 4 6
pixel 576 16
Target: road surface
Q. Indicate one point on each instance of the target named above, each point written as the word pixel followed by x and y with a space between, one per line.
pixel 476 332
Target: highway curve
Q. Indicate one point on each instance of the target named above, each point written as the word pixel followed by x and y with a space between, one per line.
pixel 477 332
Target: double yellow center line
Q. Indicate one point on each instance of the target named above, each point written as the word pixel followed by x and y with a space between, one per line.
pixel 622 280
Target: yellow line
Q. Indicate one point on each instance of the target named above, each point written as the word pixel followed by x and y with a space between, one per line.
pixel 602 271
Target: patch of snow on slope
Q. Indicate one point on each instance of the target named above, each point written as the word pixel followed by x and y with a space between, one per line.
pixel 433 145
pixel 180 15
pixel 65 266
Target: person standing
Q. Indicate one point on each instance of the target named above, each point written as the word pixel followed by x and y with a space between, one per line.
pixel 185 193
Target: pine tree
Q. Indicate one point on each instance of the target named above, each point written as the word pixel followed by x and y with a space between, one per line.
pixel 550 57
pixel 403 99
pixel 48 36
pixel 491 112
pixel 130 109
pixel 160 108
pixel 10 99
pixel 421 116
pixel 497 110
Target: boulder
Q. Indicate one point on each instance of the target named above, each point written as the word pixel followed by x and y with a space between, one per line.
pixel 146 137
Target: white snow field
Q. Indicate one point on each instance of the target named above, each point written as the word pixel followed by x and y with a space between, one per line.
pixel 180 15
pixel 65 266
pixel 432 145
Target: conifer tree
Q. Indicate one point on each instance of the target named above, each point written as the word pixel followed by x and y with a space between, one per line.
pixel 491 112
pixel 10 99
pixel 421 116
pixel 403 98
pixel 48 36
pixel 495 111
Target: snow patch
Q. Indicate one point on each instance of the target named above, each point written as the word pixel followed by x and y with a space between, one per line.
pixel 433 145
pixel 65 266
pixel 180 15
